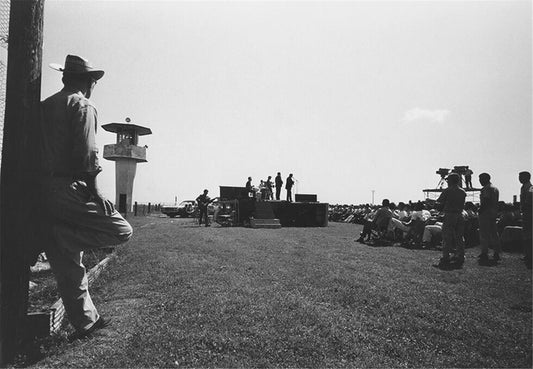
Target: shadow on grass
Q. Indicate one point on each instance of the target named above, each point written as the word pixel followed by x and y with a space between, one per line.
pixel 33 350
pixel 448 267
pixel 488 263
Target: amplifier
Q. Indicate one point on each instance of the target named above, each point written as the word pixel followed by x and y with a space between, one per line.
pixel 233 193
pixel 300 197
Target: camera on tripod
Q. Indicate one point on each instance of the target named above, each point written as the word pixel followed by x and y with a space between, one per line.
pixel 443 172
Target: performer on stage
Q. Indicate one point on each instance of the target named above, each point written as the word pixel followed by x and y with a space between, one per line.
pixel 268 185
pixel 288 187
pixel 279 184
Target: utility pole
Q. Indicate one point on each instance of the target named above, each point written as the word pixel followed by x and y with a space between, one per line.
pixel 373 196
pixel 17 184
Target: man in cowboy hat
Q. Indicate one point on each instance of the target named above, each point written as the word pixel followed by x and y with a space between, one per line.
pixel 79 217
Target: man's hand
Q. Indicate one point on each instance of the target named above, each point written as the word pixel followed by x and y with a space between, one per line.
pixel 106 205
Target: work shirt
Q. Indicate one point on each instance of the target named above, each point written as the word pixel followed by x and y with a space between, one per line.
pixel 289 183
pixel 203 201
pixel 453 200
pixel 488 200
pixel 382 217
pixel 422 215
pixel 68 128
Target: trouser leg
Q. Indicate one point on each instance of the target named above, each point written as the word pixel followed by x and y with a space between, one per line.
pixel 200 217
pixel 448 234
pixel 367 229
pixel 483 235
pixel 113 230
pixel 527 238
pixel 396 223
pixel 430 231
pixel 78 224
pixel 73 287
pixel 488 235
pixel 81 223
pixel 459 236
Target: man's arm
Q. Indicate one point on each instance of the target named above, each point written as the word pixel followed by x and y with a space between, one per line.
pixel 85 152
pixel 97 196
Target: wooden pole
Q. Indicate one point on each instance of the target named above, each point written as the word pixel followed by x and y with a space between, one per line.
pixel 18 168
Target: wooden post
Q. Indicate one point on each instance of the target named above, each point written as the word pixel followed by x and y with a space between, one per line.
pixel 16 187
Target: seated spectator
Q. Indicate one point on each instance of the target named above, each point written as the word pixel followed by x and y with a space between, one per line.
pixel 379 221
pixel 432 235
pixel 507 217
pixel 400 213
pixel 415 225
pixel 471 234
pixel 399 216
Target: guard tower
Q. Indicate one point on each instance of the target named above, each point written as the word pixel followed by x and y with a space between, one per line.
pixel 126 154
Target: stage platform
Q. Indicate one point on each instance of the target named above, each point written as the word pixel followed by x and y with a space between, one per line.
pixel 300 214
pixel 290 214
pixel 472 194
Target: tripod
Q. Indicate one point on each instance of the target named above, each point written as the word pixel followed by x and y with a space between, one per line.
pixel 441 183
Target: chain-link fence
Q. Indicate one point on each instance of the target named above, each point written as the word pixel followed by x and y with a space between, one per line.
pixel 4 36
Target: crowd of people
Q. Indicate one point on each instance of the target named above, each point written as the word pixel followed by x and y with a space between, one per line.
pixel 450 223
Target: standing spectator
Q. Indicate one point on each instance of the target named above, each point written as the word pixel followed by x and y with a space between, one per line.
pixel 279 184
pixel 77 214
pixel 468 178
pixel 203 201
pixel 380 221
pixel 487 213
pixel 288 186
pixel 452 202
pixel 526 193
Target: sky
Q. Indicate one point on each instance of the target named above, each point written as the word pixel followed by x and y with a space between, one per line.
pixel 356 99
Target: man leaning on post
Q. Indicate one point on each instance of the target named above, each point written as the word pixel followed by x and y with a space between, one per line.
pixel 79 217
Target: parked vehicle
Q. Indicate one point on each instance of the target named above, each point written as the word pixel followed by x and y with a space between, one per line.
pixel 185 209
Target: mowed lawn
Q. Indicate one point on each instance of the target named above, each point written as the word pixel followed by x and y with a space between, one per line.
pixel 181 295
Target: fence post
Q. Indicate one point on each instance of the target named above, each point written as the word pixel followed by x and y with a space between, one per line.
pixel 149 207
pixel 135 209
pixel 23 94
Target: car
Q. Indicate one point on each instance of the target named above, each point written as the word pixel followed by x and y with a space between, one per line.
pixel 185 209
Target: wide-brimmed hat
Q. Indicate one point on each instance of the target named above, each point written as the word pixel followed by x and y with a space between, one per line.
pixel 77 65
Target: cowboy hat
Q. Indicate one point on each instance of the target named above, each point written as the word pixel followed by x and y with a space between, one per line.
pixel 78 65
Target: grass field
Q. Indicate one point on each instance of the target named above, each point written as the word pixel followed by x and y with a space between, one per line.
pixel 184 296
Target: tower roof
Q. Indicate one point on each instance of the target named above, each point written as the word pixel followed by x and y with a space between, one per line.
pixel 121 127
